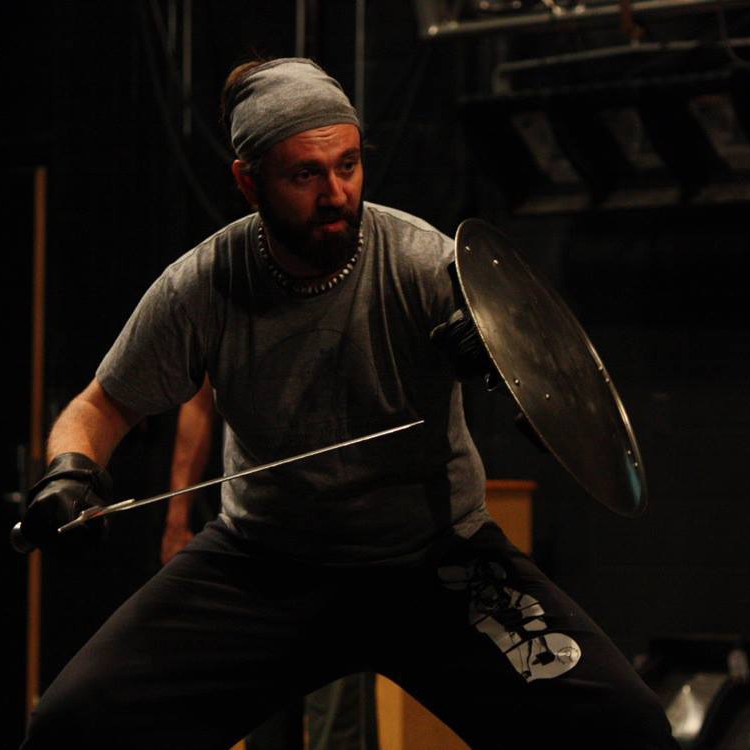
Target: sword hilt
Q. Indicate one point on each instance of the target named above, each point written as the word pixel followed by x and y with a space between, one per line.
pixel 22 544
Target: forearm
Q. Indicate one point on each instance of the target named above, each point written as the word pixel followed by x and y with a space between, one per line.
pixel 93 424
pixel 187 469
pixel 192 448
pixel 191 451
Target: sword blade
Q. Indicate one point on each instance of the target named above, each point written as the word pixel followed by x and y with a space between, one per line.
pixel 105 510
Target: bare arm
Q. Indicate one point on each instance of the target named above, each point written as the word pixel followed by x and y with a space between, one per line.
pixel 191 451
pixel 93 423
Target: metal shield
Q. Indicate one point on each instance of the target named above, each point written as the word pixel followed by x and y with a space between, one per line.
pixel 551 368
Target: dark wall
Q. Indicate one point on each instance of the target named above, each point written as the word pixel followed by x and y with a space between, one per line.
pixel 661 291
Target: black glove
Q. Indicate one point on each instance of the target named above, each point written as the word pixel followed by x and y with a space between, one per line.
pixel 72 483
pixel 459 338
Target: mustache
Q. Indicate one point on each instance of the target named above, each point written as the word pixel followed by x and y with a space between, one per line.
pixel 327 215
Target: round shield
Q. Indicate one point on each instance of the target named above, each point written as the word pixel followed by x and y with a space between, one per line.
pixel 551 368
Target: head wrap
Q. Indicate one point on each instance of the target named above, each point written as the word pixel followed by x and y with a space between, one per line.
pixel 284 97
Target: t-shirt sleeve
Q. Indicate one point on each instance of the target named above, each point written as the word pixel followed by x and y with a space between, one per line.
pixel 421 256
pixel 435 278
pixel 446 295
pixel 158 361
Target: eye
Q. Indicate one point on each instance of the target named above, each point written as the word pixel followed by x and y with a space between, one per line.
pixel 303 176
pixel 348 166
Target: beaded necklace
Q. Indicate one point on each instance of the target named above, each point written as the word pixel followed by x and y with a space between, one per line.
pixel 300 287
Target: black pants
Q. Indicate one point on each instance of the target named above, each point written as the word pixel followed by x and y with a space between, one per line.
pixel 226 634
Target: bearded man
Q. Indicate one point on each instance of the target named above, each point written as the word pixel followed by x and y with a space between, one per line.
pixel 312 319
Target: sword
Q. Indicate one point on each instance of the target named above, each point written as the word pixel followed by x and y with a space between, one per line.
pixel 104 510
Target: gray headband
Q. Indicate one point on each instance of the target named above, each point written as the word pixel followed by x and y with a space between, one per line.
pixel 284 97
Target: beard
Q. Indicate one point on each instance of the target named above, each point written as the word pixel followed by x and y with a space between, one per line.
pixel 325 254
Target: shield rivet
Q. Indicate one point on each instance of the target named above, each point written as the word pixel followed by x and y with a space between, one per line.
pixel 516 381
pixel 546 395
pixel 467 248
pixel 495 262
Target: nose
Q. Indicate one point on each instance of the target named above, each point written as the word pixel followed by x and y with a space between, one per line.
pixel 333 193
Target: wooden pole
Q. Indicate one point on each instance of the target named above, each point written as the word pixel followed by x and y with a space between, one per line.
pixel 33 627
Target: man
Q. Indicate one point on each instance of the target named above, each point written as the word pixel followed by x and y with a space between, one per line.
pixel 312 319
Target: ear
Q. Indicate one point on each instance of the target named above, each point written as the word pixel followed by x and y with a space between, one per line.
pixel 245 181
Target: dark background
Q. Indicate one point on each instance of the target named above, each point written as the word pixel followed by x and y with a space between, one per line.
pixel 90 93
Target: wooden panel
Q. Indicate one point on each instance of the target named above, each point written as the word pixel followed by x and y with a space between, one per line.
pixel 509 504
pixel 403 723
pixel 34 602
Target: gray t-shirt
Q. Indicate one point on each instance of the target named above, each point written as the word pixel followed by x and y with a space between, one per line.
pixel 292 375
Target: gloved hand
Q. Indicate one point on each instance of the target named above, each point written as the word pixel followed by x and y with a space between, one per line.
pixel 72 483
pixel 459 338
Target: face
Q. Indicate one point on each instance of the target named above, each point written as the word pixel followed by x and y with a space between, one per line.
pixel 309 193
